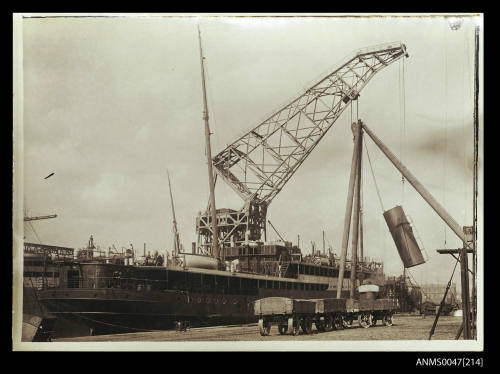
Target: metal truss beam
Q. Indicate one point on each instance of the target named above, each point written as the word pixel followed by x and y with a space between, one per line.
pixel 258 164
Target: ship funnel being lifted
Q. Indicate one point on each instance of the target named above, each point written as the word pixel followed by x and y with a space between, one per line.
pixel 404 239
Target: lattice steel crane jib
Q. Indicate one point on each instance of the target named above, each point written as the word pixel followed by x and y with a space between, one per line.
pixel 258 164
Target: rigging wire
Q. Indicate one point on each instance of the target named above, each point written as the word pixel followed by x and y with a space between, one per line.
pixel 412 278
pixel 374 180
pixel 379 198
pixel 404 130
pixel 33 229
pixel 402 117
pixel 214 117
pixel 465 91
pixel 463 140
pixel 445 123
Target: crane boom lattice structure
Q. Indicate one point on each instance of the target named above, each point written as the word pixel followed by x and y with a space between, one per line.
pixel 27 219
pixel 258 164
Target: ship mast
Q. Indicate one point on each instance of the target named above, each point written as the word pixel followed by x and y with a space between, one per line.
pixel 215 249
pixel 176 232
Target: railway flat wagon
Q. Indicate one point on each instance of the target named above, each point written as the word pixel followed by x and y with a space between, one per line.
pixel 292 314
pixel 329 314
pixel 286 313
pixel 368 311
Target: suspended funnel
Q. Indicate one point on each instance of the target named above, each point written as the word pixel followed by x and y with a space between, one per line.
pixel 402 234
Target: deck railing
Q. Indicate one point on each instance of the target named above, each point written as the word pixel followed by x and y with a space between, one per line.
pixel 114 282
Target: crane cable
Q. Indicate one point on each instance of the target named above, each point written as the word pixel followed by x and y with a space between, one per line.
pixel 404 130
pixel 402 118
pixel 374 180
pixel 445 123
pixel 414 283
pixel 464 126
pixel 30 225
pixel 33 229
pixel 376 189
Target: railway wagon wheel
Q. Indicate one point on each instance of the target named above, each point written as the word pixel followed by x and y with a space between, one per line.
pixel 293 326
pixel 347 321
pixel 374 319
pixel 320 325
pixel 307 325
pixel 339 322
pixel 365 320
pixel 282 329
pixel 329 323
pixel 387 319
pixel 264 327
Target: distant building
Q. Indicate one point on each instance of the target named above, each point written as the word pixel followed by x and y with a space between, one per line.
pixel 434 293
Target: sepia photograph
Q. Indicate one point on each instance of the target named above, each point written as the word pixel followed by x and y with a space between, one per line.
pixel 248 182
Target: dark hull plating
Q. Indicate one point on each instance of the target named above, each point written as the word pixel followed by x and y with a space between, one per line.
pixel 112 298
pixel 108 311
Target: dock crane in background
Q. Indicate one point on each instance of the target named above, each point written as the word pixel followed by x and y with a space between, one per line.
pixel 27 219
pixel 258 164
pixel 36 218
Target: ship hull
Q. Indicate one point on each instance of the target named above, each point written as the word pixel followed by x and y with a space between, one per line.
pixel 111 298
pixel 111 311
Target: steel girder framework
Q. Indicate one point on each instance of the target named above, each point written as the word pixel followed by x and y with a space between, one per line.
pixel 234 227
pixel 258 164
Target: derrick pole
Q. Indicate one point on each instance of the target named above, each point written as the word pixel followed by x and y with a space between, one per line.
pixel 348 211
pixel 215 236
pixel 356 217
pixel 438 208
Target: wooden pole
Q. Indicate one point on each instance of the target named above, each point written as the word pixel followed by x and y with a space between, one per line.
pixel 356 217
pixel 438 312
pixel 438 208
pixel 459 332
pixel 474 209
pixel 442 303
pixel 465 294
pixel 348 210
pixel 361 240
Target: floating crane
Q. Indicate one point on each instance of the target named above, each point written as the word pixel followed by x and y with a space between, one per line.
pixel 258 164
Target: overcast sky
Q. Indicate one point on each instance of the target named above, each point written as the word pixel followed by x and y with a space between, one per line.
pixel 111 103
